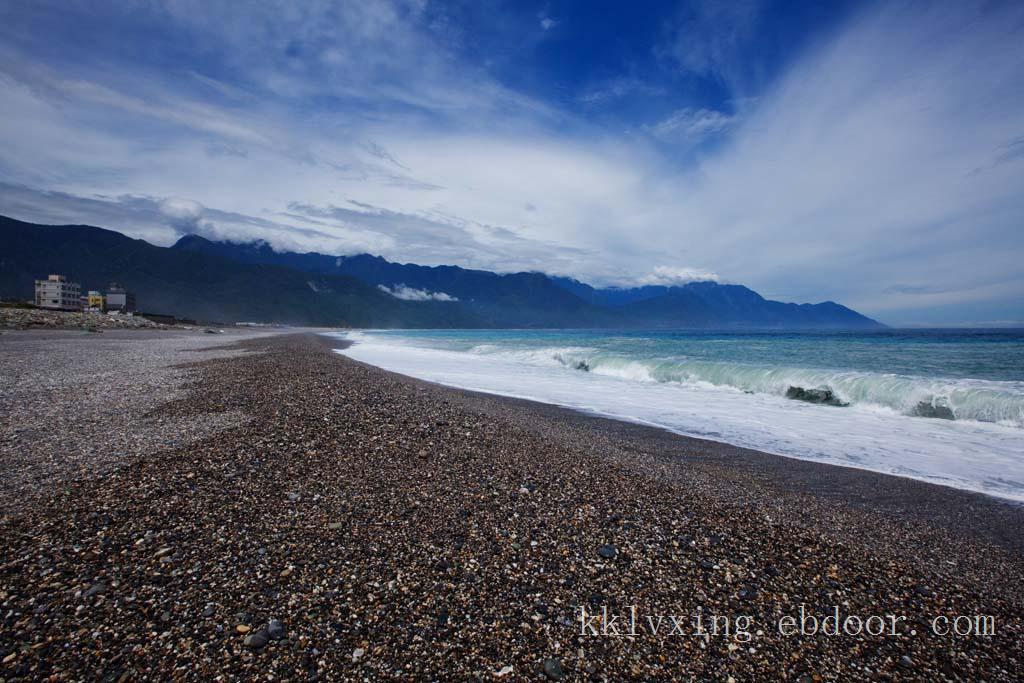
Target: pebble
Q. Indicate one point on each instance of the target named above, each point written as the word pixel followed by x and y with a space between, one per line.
pixel 96 589
pixel 607 551
pixel 553 669
pixel 275 629
pixel 257 640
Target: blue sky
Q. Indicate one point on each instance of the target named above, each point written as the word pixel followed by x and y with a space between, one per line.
pixel 871 154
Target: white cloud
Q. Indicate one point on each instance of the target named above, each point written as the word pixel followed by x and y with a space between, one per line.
pixel 619 88
pixel 400 291
pixel 674 275
pixel 692 125
pixel 547 23
pixel 707 38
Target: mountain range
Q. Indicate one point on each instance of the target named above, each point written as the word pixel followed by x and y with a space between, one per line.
pixel 200 278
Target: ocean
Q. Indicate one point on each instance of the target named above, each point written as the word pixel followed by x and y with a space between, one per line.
pixel 944 406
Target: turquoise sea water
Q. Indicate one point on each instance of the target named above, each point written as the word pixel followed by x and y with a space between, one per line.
pixel 941 405
pixel 976 374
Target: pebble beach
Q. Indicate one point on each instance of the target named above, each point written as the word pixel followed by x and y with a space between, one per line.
pixel 254 506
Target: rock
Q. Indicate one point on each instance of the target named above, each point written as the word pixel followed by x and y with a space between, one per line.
pixel 906 662
pixel 607 551
pixel 163 552
pixel 553 669
pixel 293 497
pixel 924 591
pixel 257 640
pixel 275 629
pixel 934 410
pixel 357 654
pixel 242 628
pixel 334 526
pixel 823 396
pixel 209 611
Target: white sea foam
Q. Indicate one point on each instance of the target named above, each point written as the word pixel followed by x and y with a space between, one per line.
pixel 712 402
pixel 966 399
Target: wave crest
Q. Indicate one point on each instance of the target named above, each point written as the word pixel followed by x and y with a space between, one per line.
pixel 959 399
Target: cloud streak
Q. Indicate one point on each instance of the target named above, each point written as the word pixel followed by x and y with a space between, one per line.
pixel 400 291
pixel 692 125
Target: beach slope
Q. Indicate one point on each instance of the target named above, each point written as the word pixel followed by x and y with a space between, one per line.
pixel 347 523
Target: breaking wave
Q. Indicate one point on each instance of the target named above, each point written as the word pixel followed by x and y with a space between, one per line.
pixel 959 399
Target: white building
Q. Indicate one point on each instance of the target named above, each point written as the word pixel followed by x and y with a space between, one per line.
pixel 120 299
pixel 57 292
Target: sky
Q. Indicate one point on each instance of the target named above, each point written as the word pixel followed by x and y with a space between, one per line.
pixel 865 153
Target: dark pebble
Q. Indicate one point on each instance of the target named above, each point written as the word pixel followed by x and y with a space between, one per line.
pixel 257 640
pixel 553 669
pixel 96 589
pixel 275 629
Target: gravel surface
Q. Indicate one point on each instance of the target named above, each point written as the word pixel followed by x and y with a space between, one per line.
pixel 366 526
pixel 73 403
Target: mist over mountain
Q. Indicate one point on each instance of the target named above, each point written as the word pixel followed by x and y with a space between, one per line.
pixel 199 278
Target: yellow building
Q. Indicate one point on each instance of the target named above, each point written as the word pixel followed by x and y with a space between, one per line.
pixel 95 300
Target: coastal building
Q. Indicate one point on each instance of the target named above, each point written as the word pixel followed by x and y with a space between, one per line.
pixel 56 292
pixel 95 301
pixel 120 299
